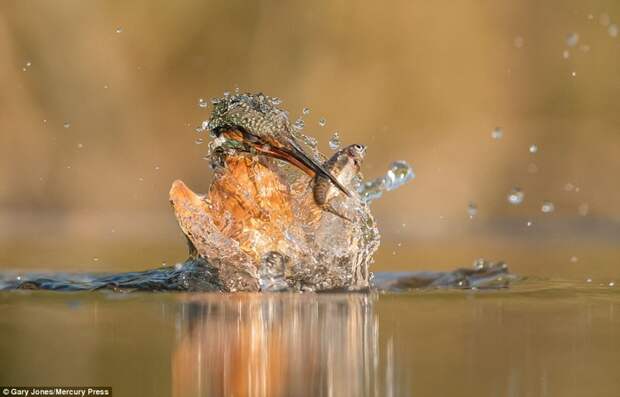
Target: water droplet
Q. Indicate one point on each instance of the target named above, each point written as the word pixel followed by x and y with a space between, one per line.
pixel 157 168
pixel 613 30
pixel 472 210
pixel 95 259
pixel 604 19
pixel 574 259
pixel 19 278
pixel 119 30
pixel 565 54
pixel 497 133
pixel 588 280
pixel 334 141
pixel 533 149
pixel 611 283
pixel 583 209
pixel 529 223
pixel 518 41
pixel 80 145
pixel 105 86
pixel 547 207
pixel 203 103
pixel 164 264
pixel 299 124
pixel 306 111
pixel 141 179
pixel 205 125
pixel 573 74
pixel 310 141
pixel 572 39
pixel 516 196
pixel 66 124
pixel 399 173
pixel 322 122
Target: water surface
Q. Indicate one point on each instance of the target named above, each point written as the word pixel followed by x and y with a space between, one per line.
pixel 537 338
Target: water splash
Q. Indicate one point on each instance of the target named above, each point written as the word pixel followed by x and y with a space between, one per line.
pixel 397 175
pixel 294 244
pixel 272 272
pixel 334 141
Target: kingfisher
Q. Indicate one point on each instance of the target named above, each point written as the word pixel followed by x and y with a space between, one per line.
pixel 255 121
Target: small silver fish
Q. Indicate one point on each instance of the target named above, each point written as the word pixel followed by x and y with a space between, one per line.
pixel 345 164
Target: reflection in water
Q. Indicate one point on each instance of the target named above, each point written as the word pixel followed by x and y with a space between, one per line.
pixel 537 338
pixel 278 345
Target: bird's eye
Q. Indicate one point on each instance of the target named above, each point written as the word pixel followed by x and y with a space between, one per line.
pixel 359 148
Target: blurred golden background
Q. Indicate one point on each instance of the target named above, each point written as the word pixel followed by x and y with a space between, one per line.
pixel 99 102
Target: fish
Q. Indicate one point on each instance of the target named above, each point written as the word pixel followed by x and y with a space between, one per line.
pixel 345 164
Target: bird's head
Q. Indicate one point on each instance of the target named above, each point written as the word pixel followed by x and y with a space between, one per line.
pixel 256 114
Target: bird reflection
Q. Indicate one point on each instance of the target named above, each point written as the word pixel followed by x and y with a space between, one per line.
pixel 276 345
